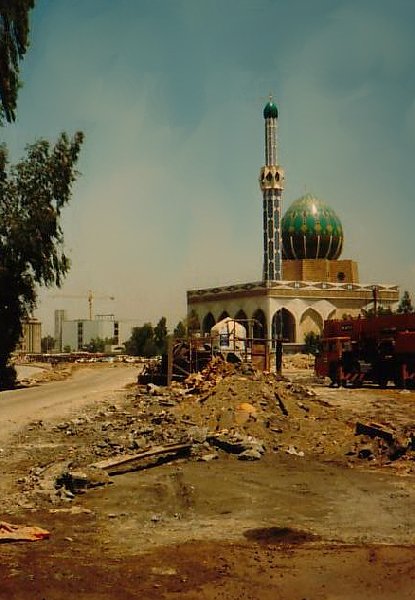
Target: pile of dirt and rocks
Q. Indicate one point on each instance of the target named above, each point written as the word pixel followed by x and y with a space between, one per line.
pixel 224 412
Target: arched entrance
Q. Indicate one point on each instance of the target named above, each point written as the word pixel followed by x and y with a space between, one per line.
pixel 283 326
pixel 259 326
pixel 311 322
pixel 241 317
pixel 223 316
pixel 208 323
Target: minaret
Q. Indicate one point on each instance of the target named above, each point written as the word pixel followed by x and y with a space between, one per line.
pixel 272 182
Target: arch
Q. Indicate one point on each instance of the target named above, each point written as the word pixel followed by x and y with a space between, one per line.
pixel 193 322
pixel 259 327
pixel 242 318
pixel 223 315
pixel 208 323
pixel 283 325
pixel 311 321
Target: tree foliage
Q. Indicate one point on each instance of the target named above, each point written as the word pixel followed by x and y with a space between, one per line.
pixel 381 310
pixel 14 41
pixel 160 335
pixel 98 344
pixel 405 304
pixel 148 340
pixel 180 330
pixel 32 195
pixel 312 342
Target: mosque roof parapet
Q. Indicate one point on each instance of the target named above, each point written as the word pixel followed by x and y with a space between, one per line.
pixel 292 285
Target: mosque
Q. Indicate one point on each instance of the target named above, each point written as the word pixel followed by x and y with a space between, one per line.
pixel 304 280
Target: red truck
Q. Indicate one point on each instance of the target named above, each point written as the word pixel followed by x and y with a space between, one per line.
pixel 378 349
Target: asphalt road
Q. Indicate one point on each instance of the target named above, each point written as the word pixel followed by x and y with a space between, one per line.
pixel 60 398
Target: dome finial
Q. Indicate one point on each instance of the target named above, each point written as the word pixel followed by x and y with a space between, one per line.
pixel 270 110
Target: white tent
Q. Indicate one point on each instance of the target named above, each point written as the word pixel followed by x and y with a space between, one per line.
pixel 228 335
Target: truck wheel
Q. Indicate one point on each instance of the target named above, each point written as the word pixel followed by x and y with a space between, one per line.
pixel 383 382
pixel 334 375
pixel 399 382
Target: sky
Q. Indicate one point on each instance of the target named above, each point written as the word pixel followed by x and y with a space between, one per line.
pixel 170 93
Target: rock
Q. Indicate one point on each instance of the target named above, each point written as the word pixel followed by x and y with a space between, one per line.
pixel 366 453
pixel 197 434
pixel 77 481
pixel 208 457
pixel 244 412
pixel 154 390
pixel 250 454
pixel 293 450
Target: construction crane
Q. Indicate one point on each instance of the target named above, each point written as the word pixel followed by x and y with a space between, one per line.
pixel 90 296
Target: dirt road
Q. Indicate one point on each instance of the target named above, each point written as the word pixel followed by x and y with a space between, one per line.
pixel 315 525
pixel 60 398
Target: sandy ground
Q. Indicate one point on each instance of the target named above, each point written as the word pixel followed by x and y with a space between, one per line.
pixel 317 523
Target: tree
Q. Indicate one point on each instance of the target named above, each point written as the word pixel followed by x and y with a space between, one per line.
pixel 405 304
pixel 14 41
pixel 312 342
pixel 160 335
pixel 381 310
pixel 142 342
pixel 98 344
pixel 180 330
pixel 47 343
pixel 32 195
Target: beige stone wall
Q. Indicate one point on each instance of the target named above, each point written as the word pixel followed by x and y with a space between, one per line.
pixel 343 271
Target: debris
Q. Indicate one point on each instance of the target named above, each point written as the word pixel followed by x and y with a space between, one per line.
pixel 208 457
pixel 198 434
pixel 244 412
pixel 366 453
pixel 281 404
pixel 73 510
pixel 77 482
pixel 154 390
pixel 250 454
pixel 293 450
pixel 21 533
pixel 374 430
pixel 111 464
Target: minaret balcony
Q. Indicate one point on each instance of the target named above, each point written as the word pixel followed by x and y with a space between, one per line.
pixel 271 178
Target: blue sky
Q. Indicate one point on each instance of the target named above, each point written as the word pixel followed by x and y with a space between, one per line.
pixel 170 94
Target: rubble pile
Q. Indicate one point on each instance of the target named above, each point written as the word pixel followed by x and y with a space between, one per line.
pixel 295 362
pixel 226 411
pixel 383 444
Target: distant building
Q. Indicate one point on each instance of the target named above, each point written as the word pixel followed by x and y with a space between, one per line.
pixel 304 282
pixel 30 342
pixel 76 334
pixel 60 317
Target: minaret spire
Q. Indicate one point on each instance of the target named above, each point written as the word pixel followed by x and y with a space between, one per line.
pixel 271 180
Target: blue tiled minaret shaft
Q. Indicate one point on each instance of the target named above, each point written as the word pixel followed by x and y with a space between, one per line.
pixel 272 183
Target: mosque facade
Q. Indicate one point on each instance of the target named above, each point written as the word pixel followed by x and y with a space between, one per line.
pixel 304 280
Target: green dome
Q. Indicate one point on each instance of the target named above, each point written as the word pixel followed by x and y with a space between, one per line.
pixel 271 111
pixel 311 229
